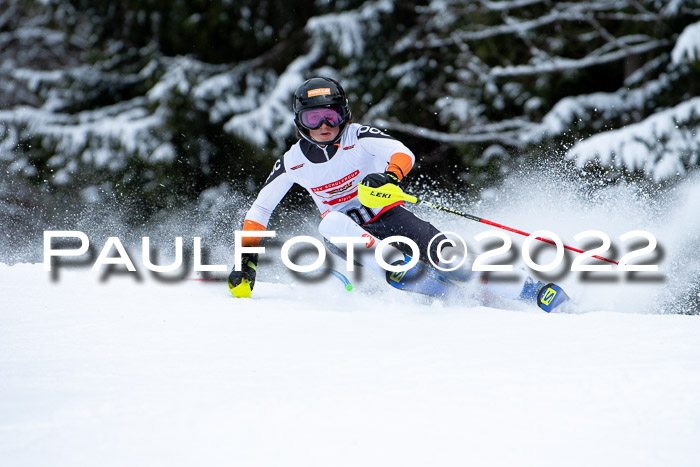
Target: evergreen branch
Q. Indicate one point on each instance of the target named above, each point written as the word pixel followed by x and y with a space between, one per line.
pixel 565 64
pixel 477 134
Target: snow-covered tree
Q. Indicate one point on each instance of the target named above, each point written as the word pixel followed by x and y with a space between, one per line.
pixel 520 78
pixel 159 100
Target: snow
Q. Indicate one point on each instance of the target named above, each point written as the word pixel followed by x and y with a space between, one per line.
pixel 348 30
pixel 101 368
pixel 636 146
pixel 251 99
pixel 175 79
pixel 273 114
pixel 92 134
pixel 120 372
pixel 554 65
pixel 674 7
pixel 687 46
pixel 267 117
pixel 505 6
pixel 34 78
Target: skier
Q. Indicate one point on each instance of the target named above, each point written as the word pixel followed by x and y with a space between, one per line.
pixel 330 160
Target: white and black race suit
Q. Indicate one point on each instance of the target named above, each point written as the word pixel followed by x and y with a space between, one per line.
pixel 331 175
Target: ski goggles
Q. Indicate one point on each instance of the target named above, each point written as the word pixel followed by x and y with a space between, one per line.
pixel 312 119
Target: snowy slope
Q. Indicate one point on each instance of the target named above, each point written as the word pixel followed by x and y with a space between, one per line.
pixel 108 370
pixel 123 372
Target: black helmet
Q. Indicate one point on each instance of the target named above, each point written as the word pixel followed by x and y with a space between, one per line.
pixel 318 93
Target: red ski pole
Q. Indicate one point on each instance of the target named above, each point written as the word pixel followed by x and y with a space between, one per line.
pixel 387 194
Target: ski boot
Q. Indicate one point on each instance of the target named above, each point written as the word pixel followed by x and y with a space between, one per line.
pixel 421 278
pixel 547 296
